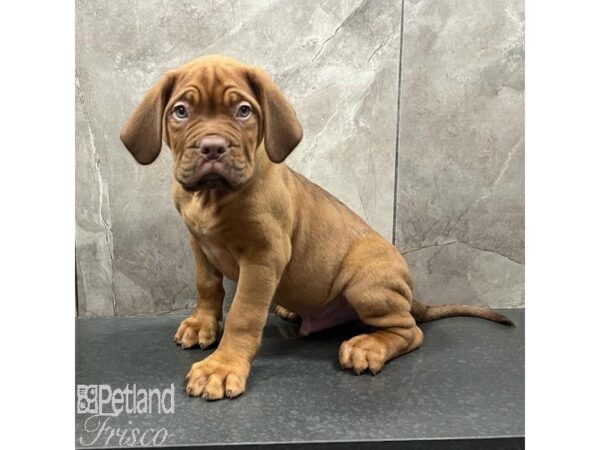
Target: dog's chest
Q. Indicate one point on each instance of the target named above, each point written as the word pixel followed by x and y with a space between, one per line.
pixel 221 258
pixel 204 223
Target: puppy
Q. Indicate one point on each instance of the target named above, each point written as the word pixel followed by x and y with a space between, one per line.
pixel 254 220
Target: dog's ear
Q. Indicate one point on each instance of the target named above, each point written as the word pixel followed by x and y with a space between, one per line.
pixel 142 134
pixel 281 128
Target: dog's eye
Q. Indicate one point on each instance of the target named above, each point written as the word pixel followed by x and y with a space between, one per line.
pixel 180 111
pixel 244 110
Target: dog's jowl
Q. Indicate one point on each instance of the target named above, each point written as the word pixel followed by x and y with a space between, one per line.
pixel 254 220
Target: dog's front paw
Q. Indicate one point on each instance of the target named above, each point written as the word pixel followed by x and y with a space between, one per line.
pixel 217 376
pixel 197 330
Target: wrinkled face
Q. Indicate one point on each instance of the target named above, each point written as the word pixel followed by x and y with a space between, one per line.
pixel 212 125
pixel 214 113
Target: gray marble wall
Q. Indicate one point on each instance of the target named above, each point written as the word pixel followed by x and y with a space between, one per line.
pixel 460 187
pixel 434 161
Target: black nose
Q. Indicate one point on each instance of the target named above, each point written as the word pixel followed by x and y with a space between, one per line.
pixel 213 147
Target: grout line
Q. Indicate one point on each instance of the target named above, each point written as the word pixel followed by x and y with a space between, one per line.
pixel 76 288
pixel 395 206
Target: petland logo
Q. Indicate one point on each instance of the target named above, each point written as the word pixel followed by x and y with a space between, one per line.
pixel 105 403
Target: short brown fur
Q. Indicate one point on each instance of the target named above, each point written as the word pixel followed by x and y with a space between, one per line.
pixel 254 220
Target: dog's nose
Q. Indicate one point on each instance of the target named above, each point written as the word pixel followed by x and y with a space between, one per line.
pixel 213 147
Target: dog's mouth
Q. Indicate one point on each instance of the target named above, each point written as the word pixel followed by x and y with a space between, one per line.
pixel 211 180
pixel 215 175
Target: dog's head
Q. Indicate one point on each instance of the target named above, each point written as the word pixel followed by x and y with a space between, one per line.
pixel 214 113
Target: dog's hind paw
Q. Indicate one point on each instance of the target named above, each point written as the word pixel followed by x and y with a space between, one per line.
pixel 286 314
pixel 362 353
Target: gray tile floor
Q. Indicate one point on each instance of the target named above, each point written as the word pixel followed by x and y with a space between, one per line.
pixel 465 384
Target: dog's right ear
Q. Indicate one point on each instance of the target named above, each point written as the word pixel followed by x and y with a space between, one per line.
pixel 142 134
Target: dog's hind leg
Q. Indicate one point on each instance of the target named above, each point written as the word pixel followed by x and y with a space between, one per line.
pixel 378 287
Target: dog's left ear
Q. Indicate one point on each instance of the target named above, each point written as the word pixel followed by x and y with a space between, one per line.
pixel 142 134
pixel 282 130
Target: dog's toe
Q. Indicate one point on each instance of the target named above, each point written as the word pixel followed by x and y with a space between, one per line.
pixel 286 314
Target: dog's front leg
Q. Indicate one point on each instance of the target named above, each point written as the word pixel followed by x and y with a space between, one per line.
pixel 202 327
pixel 224 373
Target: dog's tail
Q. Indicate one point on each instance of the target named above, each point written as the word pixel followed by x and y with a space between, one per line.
pixel 424 313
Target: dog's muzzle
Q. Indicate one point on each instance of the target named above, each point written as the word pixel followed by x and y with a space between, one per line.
pixel 212 170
